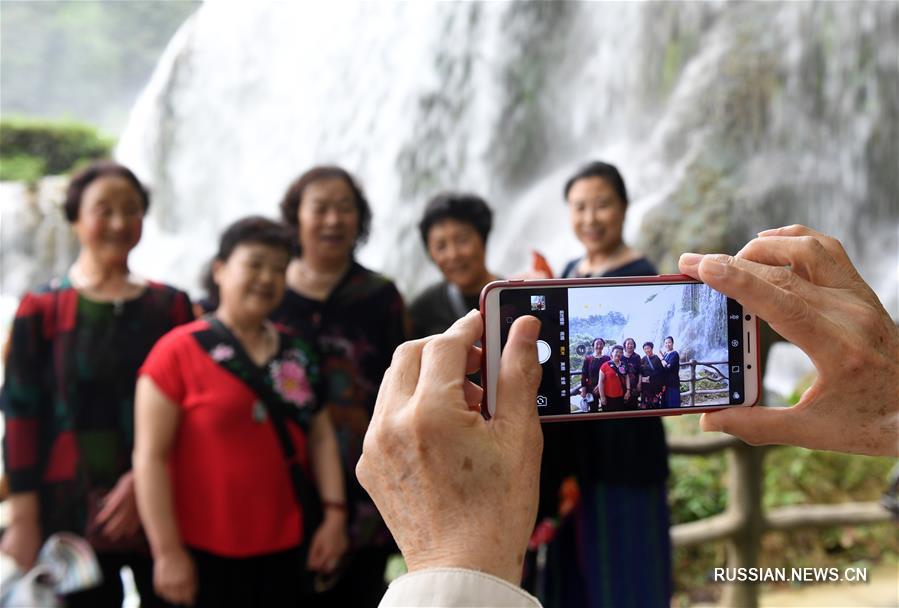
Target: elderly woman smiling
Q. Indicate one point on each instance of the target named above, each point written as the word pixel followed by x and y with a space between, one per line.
pixel 454 230
pixel 77 344
pixel 222 403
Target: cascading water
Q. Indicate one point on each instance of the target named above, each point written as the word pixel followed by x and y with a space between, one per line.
pixel 694 315
pixel 725 118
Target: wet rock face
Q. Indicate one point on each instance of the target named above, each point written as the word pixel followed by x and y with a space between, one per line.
pixel 37 242
pixel 725 119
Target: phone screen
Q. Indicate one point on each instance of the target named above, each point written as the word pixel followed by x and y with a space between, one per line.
pixel 651 346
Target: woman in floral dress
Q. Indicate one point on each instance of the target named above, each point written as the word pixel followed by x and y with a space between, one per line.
pixel 216 486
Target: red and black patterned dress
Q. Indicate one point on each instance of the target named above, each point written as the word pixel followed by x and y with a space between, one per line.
pixel 68 395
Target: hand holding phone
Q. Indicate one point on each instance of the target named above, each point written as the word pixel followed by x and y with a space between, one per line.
pixel 457 490
pixel 804 285
pixel 641 346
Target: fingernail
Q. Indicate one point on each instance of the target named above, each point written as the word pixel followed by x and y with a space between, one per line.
pixel 690 259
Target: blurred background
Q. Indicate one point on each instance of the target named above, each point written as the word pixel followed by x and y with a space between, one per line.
pixel 724 118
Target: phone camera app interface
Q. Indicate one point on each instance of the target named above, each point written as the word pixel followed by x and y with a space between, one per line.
pixel 617 348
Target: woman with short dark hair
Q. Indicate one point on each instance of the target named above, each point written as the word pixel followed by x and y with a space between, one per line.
pixel 590 374
pixel 652 378
pixel 454 231
pixel 231 433
pixel 631 361
pixel 358 318
pixel 614 385
pixel 76 346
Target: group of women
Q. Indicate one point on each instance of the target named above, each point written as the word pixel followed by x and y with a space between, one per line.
pixel 624 381
pixel 215 456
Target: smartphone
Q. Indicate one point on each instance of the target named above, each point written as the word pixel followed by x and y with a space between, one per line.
pixel 626 346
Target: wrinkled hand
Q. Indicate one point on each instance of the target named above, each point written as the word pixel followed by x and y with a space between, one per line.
pixel 804 285
pixel 175 577
pixel 22 542
pixel 329 543
pixel 457 490
pixel 119 517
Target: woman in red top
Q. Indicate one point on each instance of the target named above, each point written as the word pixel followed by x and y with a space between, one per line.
pixel 213 485
pixel 614 383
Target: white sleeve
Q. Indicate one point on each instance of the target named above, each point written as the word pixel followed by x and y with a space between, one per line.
pixel 455 587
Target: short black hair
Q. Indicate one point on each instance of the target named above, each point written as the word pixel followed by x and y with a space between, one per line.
pixel 256 230
pixel 669 338
pixel 606 171
pixel 460 206
pixel 617 347
pixel 94 171
pixel 290 204
pixel 595 340
pixel 649 344
pixel 632 340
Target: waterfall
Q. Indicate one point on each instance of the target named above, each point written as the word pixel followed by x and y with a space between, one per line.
pixel 694 315
pixel 725 119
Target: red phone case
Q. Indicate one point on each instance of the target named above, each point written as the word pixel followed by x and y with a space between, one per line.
pixel 662 278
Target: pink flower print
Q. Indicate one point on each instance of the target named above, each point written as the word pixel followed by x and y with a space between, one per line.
pixel 291 382
pixel 222 352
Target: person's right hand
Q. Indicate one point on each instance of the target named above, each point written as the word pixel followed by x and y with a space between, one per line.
pixel 804 285
pixel 22 542
pixel 175 577
pixel 457 490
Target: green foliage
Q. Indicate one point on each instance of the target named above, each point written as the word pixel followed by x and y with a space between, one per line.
pixel 21 168
pixel 697 488
pixel 31 148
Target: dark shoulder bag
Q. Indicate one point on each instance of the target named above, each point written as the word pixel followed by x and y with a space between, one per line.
pixel 251 374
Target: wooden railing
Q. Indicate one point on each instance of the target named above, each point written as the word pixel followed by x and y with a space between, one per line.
pixel 744 521
pixel 718 376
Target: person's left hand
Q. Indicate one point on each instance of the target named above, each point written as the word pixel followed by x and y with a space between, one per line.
pixel 457 490
pixel 329 543
pixel 119 518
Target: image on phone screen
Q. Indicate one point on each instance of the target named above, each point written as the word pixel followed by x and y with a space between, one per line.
pixel 632 348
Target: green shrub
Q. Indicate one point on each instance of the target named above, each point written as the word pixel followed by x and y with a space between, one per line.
pixel 31 148
pixel 21 168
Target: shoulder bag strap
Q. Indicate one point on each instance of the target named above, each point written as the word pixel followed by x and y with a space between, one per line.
pixel 250 374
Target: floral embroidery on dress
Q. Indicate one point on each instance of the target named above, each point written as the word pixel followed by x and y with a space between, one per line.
pixel 298 355
pixel 290 381
pixel 222 352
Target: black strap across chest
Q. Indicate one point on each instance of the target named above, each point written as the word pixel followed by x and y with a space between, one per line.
pixel 241 366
